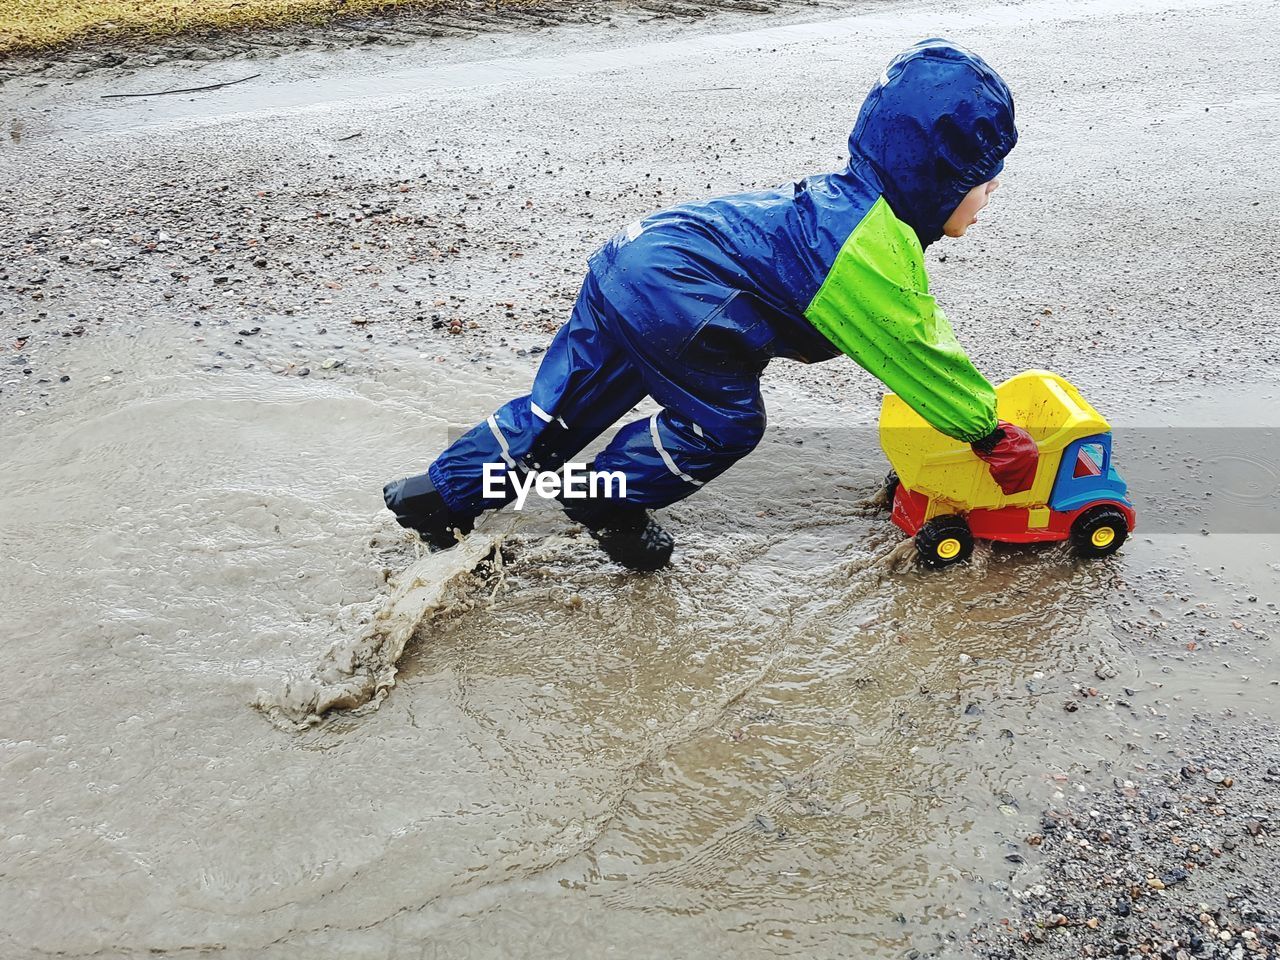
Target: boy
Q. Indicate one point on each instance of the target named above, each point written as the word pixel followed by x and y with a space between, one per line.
pixel 689 304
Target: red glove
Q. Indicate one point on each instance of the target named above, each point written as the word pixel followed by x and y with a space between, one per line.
pixel 1011 456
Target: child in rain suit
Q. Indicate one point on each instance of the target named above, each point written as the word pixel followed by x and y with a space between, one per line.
pixel 689 304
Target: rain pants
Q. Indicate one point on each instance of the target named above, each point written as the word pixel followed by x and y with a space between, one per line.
pixel 688 305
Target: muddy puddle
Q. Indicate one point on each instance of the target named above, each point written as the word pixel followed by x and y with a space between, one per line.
pixel 780 747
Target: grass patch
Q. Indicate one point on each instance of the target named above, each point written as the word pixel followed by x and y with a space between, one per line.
pixel 35 25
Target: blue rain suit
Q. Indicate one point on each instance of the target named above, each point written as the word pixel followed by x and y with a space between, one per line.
pixel 689 304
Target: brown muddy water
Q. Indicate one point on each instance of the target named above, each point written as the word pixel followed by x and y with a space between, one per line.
pixel 779 747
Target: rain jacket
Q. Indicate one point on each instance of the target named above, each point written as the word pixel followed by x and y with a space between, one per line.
pixel 688 305
pixel 842 254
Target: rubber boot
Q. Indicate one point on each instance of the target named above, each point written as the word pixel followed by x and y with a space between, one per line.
pixel 624 531
pixel 418 506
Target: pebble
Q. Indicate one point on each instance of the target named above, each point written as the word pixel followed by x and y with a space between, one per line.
pixel 1128 858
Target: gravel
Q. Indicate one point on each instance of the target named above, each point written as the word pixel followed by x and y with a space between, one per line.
pixel 1177 862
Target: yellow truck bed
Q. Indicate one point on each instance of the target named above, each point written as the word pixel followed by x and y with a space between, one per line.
pixel 926 461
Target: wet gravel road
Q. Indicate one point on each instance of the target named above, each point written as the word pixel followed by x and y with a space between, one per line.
pixel 360 216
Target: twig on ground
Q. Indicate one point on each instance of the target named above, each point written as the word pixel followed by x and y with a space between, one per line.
pixel 165 93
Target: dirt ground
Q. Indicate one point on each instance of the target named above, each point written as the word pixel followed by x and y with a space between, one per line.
pixel 42 25
pixel 55 39
pixel 229 316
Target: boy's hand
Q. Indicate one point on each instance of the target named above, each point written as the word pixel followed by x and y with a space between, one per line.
pixel 1011 456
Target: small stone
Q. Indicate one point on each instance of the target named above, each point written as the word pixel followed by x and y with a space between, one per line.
pixel 1155 883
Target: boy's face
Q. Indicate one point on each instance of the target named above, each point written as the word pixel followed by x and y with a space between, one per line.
pixel 966 215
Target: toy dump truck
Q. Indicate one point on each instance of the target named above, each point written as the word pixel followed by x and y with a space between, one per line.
pixel 942 494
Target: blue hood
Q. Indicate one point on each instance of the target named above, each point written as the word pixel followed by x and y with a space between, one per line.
pixel 939 122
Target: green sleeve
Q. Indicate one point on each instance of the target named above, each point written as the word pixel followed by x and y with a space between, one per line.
pixel 875 306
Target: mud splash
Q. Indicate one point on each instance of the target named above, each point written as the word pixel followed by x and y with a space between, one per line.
pixel 358 672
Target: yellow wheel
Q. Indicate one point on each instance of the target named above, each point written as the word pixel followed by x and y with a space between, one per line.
pixel 949 548
pixel 1099 531
pixel 1102 537
pixel 944 541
